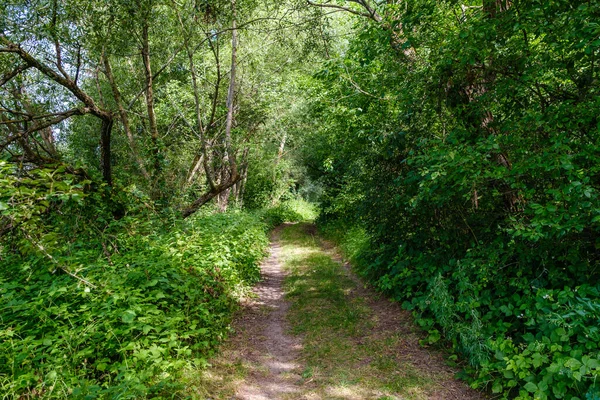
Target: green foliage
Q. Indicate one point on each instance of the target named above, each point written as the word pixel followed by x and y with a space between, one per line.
pixel 306 211
pixel 352 239
pixel 288 211
pixel 471 164
pixel 264 185
pixel 26 195
pixel 97 307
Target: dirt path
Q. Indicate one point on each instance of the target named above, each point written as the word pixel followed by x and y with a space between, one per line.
pixel 272 351
pixel 377 357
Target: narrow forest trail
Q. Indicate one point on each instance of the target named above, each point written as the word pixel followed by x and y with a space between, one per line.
pixel 313 331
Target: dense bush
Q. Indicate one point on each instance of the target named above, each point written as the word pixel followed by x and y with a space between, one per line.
pixel 469 156
pixel 542 342
pixel 93 306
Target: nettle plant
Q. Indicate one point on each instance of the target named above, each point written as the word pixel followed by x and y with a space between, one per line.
pixel 102 305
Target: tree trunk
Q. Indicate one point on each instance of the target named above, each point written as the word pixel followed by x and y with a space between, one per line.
pixel 150 100
pixel 124 118
pixel 202 131
pixel 211 194
pixel 231 94
pixel 105 153
pixel 281 148
pixel 223 197
pixel 196 165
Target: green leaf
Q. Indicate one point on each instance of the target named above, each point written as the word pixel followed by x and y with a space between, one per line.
pixel 530 387
pixel 128 316
pixel 538 360
pixel 573 364
pixel 497 387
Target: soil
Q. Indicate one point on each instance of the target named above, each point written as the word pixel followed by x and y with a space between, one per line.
pixel 270 349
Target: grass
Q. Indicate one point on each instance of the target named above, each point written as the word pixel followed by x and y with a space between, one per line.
pixel 346 353
pixel 343 357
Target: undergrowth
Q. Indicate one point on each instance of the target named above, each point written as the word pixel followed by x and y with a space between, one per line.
pixel 102 304
pixel 161 301
pixel 293 210
pixel 519 340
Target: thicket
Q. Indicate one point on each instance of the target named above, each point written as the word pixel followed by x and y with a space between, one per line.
pixel 461 140
pixel 144 155
pixel 97 306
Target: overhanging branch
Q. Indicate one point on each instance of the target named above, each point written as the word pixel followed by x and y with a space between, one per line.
pixel 342 8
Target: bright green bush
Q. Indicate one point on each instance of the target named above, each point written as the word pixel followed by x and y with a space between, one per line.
pixel 303 210
pixel 158 296
pixel 294 210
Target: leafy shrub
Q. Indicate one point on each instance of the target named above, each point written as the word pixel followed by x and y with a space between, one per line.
pixel 521 341
pixel 558 352
pixel 352 239
pixel 305 210
pixel 267 183
pixel 93 306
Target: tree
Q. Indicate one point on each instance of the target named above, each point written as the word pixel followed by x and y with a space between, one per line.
pixel 168 87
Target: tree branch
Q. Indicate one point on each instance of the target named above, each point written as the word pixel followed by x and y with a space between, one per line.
pixel 7 77
pixel 342 8
pixel 211 194
pixel 53 75
pixel 37 127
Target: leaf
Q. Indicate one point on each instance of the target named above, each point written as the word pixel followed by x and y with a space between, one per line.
pixel 538 360
pixel 573 364
pixel 530 387
pixel 553 368
pixel 128 316
pixel 497 387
